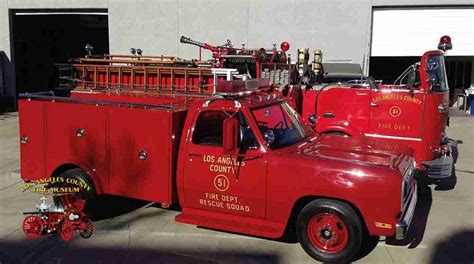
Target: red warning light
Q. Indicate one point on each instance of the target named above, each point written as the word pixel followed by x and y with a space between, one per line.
pixel 445 43
pixel 285 46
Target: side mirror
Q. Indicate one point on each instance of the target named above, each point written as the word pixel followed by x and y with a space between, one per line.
pixel 269 137
pixel 372 83
pixel 312 119
pixel 230 134
pixel 433 81
pixel 411 78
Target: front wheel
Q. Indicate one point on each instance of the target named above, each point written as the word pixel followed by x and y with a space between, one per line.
pixel 32 226
pixel 330 231
pixel 66 231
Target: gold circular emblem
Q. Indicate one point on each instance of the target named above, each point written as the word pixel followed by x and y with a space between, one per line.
pixel 221 183
pixel 395 111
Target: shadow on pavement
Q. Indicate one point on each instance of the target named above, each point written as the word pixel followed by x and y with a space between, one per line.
pixel 7 115
pixel 459 248
pixel 109 206
pixel 449 183
pixel 454 148
pixel 420 218
pixel 53 250
pixel 371 243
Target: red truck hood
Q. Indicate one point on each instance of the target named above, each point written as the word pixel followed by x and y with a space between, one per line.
pixel 366 151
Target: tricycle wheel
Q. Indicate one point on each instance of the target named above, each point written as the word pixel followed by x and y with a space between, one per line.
pixel 67 230
pixel 87 228
pixel 329 231
pixel 32 227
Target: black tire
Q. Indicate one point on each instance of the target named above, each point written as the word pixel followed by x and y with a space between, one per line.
pixel 348 223
pixel 87 195
pixel 89 231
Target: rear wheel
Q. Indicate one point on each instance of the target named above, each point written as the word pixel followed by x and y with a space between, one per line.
pixel 80 201
pixel 87 228
pixel 329 231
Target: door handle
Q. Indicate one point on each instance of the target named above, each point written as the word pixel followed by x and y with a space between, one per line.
pixel 80 132
pixel 373 104
pixel 361 93
pixel 329 115
pixel 193 155
pixel 24 139
pixel 254 157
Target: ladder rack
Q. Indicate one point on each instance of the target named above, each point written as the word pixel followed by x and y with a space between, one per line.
pixel 152 74
pixel 100 77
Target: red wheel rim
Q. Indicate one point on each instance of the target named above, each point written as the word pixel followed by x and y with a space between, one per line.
pixel 327 232
pixel 32 227
pixel 73 201
pixel 67 231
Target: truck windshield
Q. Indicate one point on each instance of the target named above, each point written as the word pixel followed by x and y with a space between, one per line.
pixel 436 69
pixel 283 121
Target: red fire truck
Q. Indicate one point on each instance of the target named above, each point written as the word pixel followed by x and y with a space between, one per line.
pixel 413 111
pixel 233 155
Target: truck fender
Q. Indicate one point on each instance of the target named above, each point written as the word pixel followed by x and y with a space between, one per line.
pixel 344 128
pixel 90 172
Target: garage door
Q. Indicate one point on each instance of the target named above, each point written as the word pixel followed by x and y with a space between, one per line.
pixel 410 32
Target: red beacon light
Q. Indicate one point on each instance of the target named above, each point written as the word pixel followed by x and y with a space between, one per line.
pixel 445 43
pixel 285 46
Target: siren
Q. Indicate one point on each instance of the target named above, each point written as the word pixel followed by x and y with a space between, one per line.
pixel 89 49
pixel 285 46
pixel 445 43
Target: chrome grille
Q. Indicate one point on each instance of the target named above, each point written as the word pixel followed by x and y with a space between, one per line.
pixel 408 185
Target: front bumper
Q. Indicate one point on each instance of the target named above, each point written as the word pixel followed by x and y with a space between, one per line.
pixel 441 167
pixel 402 226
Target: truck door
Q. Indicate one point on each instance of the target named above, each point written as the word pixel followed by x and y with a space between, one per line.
pixel 226 183
pixel 396 113
pixel 343 105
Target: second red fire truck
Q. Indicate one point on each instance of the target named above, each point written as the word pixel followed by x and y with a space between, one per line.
pixel 413 111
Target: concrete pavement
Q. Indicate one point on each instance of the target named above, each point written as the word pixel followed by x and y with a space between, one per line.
pixel 444 230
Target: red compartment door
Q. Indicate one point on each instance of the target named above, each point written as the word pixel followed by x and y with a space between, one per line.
pixel 132 131
pixel 31 115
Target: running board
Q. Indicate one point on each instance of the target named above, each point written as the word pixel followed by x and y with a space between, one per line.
pixel 233 223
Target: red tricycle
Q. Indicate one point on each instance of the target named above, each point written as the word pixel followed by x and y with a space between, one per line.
pixel 52 220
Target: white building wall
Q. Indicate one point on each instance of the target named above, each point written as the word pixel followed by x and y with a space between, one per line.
pixel 341 28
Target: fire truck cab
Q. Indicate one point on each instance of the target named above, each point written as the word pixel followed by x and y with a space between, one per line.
pixel 413 112
pixel 233 155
